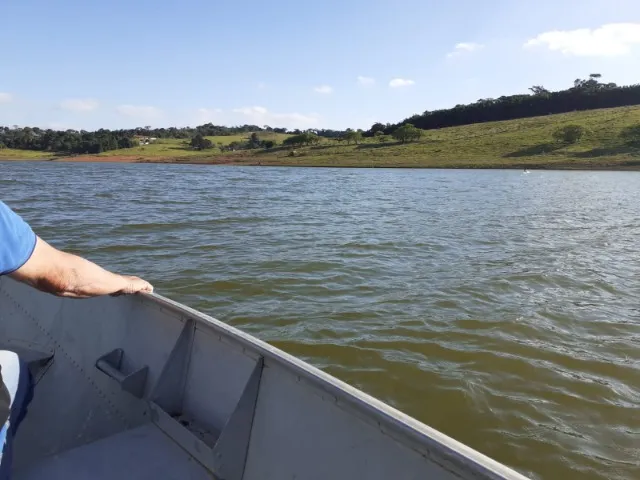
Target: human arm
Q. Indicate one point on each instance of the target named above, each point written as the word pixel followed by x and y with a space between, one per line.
pixel 66 275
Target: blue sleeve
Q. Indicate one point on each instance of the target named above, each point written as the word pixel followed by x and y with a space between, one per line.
pixel 17 240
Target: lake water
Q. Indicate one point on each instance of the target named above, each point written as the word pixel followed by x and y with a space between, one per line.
pixel 500 308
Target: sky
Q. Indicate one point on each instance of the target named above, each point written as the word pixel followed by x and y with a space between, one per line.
pixel 307 64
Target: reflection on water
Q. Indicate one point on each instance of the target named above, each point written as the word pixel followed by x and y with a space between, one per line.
pixel 497 307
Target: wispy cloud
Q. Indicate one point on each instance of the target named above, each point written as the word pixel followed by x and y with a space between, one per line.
pixel 464 47
pixel 401 82
pixel 324 89
pixel 206 115
pixel 261 116
pixel 79 105
pixel 5 97
pixel 609 40
pixel 366 81
pixel 251 111
pixel 261 86
pixel 143 112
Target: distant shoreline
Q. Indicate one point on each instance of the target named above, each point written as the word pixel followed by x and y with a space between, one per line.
pixel 528 143
pixel 238 160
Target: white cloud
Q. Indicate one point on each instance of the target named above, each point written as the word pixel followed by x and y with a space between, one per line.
pixel 5 97
pixel 261 85
pixel 79 104
pixel 366 81
pixel 206 115
pixel 261 116
pixel 401 82
pixel 210 110
pixel 325 89
pixel 610 40
pixel 251 111
pixel 142 112
pixel 464 47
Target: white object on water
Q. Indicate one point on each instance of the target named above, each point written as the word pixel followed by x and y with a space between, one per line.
pixel 143 387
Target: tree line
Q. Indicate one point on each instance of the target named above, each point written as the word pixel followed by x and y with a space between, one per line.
pixel 84 142
pixel 585 94
pixel 69 141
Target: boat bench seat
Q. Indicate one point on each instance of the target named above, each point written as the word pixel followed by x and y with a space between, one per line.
pixel 36 360
pixel 142 453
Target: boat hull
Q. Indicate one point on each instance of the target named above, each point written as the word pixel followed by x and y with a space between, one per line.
pixel 146 369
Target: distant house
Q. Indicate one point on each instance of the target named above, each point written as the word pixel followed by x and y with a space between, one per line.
pixel 144 140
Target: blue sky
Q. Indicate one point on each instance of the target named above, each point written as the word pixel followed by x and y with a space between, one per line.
pixel 330 64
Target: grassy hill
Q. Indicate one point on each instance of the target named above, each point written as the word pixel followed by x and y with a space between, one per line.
pixel 514 143
pixel 172 147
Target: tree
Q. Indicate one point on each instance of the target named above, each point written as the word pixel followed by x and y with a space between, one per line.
pixel 306 138
pixel 310 138
pixel 127 142
pixel 268 144
pixel 254 141
pixel 407 133
pixel 200 143
pixel 592 84
pixel 294 141
pixel 354 136
pixel 539 90
pixel 631 135
pixel 375 128
pixel 569 134
pixel 233 146
pixel 381 137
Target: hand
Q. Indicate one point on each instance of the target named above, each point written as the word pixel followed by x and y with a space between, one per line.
pixel 133 285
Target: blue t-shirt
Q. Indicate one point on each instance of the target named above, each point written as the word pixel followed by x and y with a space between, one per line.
pixel 17 240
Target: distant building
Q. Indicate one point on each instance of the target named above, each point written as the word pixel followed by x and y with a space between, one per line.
pixel 144 140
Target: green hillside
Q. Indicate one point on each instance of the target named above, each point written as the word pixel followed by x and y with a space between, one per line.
pixel 507 144
pixel 513 143
pixel 179 148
